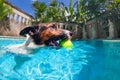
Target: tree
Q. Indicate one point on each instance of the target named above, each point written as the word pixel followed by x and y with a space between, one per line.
pixel 39 9
pixel 76 12
pixel 94 7
pixel 50 13
pixel 69 12
pixel 4 9
pixel 114 9
pixel 53 11
pixel 81 12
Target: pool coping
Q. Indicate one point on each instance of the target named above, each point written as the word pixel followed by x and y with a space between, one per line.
pixel 111 40
pixel 11 37
pixel 20 37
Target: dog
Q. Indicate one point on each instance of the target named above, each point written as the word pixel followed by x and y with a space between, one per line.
pixel 45 34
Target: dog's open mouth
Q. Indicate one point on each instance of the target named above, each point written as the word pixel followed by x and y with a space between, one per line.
pixel 54 41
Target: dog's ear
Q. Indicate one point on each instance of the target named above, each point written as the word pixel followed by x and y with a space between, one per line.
pixel 52 26
pixel 27 30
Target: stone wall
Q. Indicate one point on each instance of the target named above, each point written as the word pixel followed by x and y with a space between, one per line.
pixel 11 27
pixel 13 23
pixel 4 26
pixel 75 28
pixel 101 27
pixel 95 29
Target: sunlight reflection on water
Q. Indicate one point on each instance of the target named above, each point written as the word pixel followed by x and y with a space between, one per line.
pixel 43 63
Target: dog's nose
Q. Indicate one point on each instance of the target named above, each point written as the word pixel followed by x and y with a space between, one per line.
pixel 71 33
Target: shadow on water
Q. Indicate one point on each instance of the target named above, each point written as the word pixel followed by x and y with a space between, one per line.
pixel 20 60
pixel 104 62
pixel 112 61
pixel 95 67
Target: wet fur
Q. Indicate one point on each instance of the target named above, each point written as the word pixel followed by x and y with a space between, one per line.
pixel 43 33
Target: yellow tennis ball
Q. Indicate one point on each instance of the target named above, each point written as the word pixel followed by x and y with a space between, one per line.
pixel 66 44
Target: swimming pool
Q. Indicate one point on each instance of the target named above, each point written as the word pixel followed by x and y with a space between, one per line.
pixel 88 60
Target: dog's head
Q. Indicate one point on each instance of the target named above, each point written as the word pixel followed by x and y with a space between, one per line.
pixel 46 34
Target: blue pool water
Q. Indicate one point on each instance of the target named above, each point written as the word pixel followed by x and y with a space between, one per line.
pixel 88 60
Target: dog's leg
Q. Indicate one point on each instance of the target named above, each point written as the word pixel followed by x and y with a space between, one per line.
pixel 28 40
